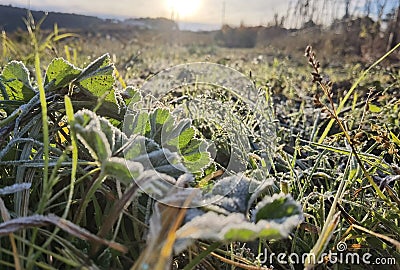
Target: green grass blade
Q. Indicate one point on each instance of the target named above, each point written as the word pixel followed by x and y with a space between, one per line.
pixel 350 92
pixel 70 116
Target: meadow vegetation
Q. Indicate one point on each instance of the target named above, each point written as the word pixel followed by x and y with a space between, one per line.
pixel 67 199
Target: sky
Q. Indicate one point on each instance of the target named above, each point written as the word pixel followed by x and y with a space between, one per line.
pixel 251 12
pixel 213 12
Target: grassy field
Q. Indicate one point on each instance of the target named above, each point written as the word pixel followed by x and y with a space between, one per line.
pixel 319 176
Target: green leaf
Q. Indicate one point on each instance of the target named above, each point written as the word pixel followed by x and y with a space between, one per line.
pixel 132 95
pixel 184 138
pixel 156 184
pixel 234 227
pixel 98 78
pixel 15 79
pixel 95 141
pixel 100 62
pixel 152 157
pixel 59 74
pixel 224 215
pixel 374 108
pixel 233 192
pixel 243 234
pixel 157 120
pixel 87 122
pixel 141 124
pixel 177 136
pixel 123 170
pixel 277 207
pixel 103 141
pixel 265 187
pixel 88 128
pixel 395 139
pixel 115 137
pixel 195 155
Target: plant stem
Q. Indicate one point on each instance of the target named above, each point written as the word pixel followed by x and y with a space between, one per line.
pixel 202 255
pixel 45 128
pixel 353 87
pixel 43 104
pixel 70 115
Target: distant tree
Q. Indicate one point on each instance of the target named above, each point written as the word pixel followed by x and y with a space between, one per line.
pixel 394 28
pixel 347 9
pixel 241 37
pixel 367 8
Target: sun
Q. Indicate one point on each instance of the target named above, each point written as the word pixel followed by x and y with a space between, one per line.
pixel 183 8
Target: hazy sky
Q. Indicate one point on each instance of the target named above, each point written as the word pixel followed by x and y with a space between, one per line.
pixel 252 12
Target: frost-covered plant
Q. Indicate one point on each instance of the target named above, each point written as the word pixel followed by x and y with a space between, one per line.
pixel 157 152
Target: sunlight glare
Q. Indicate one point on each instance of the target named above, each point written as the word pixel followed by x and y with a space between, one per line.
pixel 183 8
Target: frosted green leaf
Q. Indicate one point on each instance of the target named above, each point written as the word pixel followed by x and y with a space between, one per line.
pixel 177 136
pixel 264 187
pixel 181 135
pixel 103 141
pixel 123 170
pixel 234 191
pixel 95 141
pixel 157 120
pixel 233 227
pixel 15 79
pixel 98 63
pixel 156 184
pixel 226 216
pixel 14 188
pixel 133 95
pixel 98 78
pixel 151 156
pixel 136 146
pixel 59 74
pixel 141 124
pixel 109 131
pixel 114 137
pixel 277 207
pixel 195 155
pixel 88 128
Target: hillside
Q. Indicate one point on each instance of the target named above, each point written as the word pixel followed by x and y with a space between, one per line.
pixel 11 18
